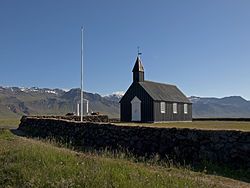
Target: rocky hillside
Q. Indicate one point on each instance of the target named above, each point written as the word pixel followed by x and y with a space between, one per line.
pixel 15 102
pixel 234 106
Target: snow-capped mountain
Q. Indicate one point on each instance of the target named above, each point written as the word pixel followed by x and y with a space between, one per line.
pixel 15 101
pixel 116 96
pixel 31 90
pixel 194 99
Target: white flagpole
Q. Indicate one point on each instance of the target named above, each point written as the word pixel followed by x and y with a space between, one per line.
pixel 81 74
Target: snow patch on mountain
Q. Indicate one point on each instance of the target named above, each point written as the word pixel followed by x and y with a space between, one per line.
pixel 51 91
pixel 66 90
pixel 115 96
pixel 118 94
pixel 23 89
pixel 194 99
pixel 31 89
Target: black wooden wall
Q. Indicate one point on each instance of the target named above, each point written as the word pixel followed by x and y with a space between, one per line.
pixel 147 106
pixel 169 115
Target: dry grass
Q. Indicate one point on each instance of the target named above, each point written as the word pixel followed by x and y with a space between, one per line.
pixel 207 125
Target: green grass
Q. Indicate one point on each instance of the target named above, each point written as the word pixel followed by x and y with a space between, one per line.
pixel 9 123
pixel 32 163
pixel 223 170
pixel 207 125
pixel 5 135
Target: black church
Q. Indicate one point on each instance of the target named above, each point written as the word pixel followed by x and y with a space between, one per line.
pixel 147 101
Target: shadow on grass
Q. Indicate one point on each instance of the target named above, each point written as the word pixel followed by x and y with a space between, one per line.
pixel 206 167
pixel 19 133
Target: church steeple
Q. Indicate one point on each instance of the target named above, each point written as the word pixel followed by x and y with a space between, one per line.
pixel 138 70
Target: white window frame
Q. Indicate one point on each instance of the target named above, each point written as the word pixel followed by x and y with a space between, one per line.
pixel 163 107
pixel 175 111
pixel 185 109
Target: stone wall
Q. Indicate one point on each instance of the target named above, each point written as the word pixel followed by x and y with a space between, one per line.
pixel 90 118
pixel 192 146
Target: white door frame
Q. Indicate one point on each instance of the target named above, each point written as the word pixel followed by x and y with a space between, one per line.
pixel 136 109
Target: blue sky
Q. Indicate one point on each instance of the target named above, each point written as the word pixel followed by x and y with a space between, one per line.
pixel 202 46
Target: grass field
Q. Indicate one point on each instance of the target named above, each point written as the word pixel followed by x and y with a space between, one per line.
pixel 208 125
pixel 9 123
pixel 33 163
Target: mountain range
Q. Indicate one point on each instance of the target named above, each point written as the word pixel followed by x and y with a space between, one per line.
pixel 17 101
pixel 226 107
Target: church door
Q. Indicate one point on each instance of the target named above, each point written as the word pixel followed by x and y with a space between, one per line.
pixel 136 109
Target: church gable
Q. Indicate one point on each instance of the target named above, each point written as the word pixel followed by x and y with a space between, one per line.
pixel 137 90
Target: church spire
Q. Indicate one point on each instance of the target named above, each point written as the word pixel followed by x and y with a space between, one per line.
pixel 138 70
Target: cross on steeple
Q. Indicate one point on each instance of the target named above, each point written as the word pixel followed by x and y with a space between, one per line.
pixel 138 51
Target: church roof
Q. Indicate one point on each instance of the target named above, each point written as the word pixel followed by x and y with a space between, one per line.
pixel 164 92
pixel 138 65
